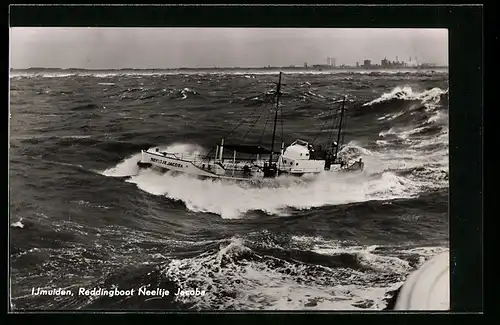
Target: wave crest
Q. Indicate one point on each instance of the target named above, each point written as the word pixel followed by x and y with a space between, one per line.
pixel 406 93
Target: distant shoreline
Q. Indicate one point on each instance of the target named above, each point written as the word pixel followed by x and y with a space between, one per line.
pixel 39 69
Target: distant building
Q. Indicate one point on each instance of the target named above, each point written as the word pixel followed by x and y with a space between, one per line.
pixel 393 64
pixel 305 64
pixel 367 63
pixel 384 63
pixel 357 64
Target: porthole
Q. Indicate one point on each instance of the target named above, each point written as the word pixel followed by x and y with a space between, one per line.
pixel 296 164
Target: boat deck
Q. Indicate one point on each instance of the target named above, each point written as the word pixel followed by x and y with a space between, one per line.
pixel 227 162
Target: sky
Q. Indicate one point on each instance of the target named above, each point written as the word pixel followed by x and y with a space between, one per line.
pixel 117 48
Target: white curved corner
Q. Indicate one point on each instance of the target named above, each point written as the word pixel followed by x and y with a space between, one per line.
pixel 428 288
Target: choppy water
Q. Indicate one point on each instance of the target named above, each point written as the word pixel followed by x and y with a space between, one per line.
pixel 83 215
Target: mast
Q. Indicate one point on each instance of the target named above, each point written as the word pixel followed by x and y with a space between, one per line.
pixel 340 129
pixel 275 118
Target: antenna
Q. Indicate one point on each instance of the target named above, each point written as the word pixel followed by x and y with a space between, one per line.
pixel 275 118
pixel 340 128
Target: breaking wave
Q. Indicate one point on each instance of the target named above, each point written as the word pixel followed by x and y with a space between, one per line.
pixel 406 93
pixel 242 274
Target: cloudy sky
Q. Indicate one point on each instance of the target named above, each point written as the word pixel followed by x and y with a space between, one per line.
pixel 113 48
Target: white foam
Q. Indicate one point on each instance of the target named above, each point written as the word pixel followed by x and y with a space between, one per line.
pixel 382 142
pixel 426 252
pixel 231 200
pixel 125 168
pixel 310 93
pixel 439 117
pixel 428 164
pixel 191 149
pixel 368 255
pixel 324 246
pixel 410 136
pixel 57 75
pixel 391 131
pixel 236 277
pixel 384 263
pixel 128 166
pixel 406 93
pixel 183 93
pixel 75 137
pixel 18 224
pixel 390 117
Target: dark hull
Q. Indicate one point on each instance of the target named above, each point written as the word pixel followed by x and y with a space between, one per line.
pixel 143 164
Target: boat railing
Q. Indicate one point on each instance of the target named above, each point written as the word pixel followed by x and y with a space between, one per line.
pixel 199 159
pixel 183 156
pixel 306 170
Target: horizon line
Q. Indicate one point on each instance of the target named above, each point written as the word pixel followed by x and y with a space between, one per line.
pixel 315 66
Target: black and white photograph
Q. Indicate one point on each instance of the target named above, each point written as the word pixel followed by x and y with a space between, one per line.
pixel 228 169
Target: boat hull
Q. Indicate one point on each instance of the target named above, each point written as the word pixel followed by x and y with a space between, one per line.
pixel 173 163
pixel 210 169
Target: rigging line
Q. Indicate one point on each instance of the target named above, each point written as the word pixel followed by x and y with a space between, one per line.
pixel 281 122
pixel 208 154
pixel 243 121
pixel 250 127
pixel 336 119
pixel 250 159
pixel 255 122
pixel 330 114
pixel 257 118
pixel 322 126
pixel 338 125
pixel 342 110
pixel 265 125
pixel 345 125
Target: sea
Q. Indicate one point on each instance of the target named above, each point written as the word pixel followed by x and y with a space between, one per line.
pixel 83 216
